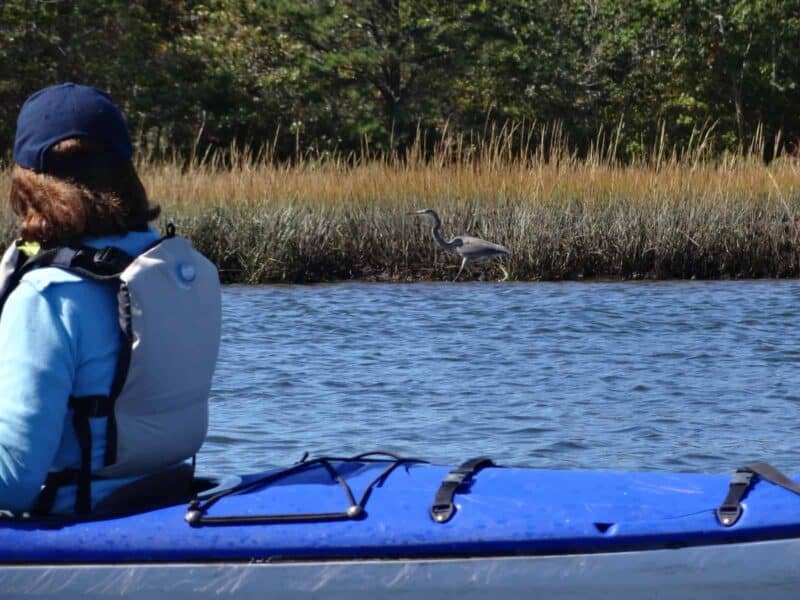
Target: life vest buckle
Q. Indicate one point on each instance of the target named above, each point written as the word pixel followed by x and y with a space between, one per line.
pixel 111 260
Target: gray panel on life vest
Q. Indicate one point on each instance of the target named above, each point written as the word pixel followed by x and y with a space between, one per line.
pixel 8 265
pixel 175 318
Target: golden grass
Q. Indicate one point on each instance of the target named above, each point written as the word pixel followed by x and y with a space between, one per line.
pixel 671 212
pixel 490 173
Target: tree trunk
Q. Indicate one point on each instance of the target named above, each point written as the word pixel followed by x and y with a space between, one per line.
pixel 736 88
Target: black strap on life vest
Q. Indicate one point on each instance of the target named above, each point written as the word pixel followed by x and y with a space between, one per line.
pixel 83 408
pixel 742 481
pixel 174 485
pixel 99 264
pixel 47 496
pixel 443 507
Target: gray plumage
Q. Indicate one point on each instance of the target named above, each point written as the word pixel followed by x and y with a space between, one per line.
pixel 470 249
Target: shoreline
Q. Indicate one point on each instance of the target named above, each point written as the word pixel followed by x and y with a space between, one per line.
pixel 267 245
pixel 270 244
pixel 730 218
pixel 592 281
pixel 273 243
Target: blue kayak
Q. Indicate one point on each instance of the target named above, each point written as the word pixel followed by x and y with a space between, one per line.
pixel 374 513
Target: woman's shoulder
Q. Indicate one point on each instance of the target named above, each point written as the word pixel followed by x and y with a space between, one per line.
pixel 74 300
pixel 45 277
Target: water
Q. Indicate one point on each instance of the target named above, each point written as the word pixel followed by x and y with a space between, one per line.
pixel 682 376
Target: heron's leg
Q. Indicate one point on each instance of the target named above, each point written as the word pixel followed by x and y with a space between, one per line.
pixel 463 262
pixel 505 273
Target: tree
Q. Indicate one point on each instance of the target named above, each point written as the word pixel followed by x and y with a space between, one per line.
pixel 385 64
pixel 124 47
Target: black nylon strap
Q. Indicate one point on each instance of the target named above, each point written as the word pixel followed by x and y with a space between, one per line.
pixel 90 406
pixel 83 495
pixel 730 510
pixel 103 264
pixel 443 508
pixel 743 479
pixel 771 474
pixel 82 477
pixel 54 481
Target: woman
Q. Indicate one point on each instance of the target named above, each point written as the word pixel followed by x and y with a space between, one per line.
pixel 108 333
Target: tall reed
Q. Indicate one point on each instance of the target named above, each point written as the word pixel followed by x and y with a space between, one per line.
pixel 665 212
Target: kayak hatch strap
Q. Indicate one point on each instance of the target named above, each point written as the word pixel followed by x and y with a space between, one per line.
pixel 743 479
pixel 443 508
pixel 355 510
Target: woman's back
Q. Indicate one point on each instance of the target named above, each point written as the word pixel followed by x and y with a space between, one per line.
pixel 59 332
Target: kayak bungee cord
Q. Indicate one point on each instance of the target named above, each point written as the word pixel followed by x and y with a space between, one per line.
pixel 195 514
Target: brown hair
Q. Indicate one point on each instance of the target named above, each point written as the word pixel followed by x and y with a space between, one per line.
pixel 73 200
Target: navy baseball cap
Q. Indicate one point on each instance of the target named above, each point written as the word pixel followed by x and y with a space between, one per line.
pixel 69 110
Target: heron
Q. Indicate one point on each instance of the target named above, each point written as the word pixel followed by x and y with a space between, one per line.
pixel 470 249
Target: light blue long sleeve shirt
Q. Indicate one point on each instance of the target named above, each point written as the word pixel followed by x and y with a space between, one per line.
pixel 59 337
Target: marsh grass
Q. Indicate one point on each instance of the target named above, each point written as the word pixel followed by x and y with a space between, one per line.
pixel 666 213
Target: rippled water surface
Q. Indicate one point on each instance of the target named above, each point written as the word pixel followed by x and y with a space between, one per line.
pixel 677 376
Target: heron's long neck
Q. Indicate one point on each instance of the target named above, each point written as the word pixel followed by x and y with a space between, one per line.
pixel 437 235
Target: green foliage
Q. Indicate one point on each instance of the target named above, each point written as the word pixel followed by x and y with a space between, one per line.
pixel 353 75
pixel 127 48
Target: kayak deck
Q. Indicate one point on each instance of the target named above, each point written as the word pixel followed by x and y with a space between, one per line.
pixel 502 512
